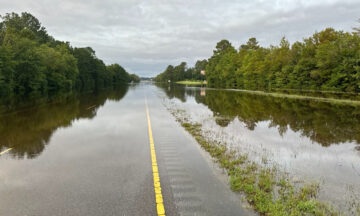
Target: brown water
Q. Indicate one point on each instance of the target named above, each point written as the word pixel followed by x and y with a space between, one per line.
pixel 310 139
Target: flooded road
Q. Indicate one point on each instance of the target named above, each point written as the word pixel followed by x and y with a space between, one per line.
pixel 89 154
pixel 78 155
pixel 311 140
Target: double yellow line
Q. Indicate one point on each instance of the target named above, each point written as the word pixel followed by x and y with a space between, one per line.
pixel 158 195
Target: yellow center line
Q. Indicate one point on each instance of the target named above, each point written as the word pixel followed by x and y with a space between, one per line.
pixel 158 195
pixel 3 152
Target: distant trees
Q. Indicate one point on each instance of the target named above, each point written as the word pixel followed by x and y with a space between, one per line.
pixel 200 65
pixel 31 60
pixel 92 71
pixel 166 75
pixel 134 78
pixel 182 72
pixel 118 73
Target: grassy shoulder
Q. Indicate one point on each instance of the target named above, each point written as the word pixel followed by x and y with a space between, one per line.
pixel 264 190
pixel 191 82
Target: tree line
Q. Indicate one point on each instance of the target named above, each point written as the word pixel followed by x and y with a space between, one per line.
pixel 328 60
pixel 32 60
pixel 182 72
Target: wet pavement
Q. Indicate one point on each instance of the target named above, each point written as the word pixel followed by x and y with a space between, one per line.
pixel 90 155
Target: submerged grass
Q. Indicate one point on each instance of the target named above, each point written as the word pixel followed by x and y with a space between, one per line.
pixel 263 189
pixel 191 82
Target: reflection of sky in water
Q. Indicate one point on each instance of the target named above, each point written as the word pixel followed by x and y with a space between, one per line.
pixel 89 147
pixel 335 166
pixel 28 129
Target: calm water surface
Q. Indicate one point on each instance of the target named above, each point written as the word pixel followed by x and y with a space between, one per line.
pixel 27 126
pixel 307 138
pixel 89 154
pixel 76 154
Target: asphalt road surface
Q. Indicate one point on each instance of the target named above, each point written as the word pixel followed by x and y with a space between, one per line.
pixel 103 165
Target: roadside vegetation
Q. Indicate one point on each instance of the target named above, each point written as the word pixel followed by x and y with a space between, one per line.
pixel 32 60
pixel 181 72
pixel 191 82
pixel 328 60
pixel 267 190
pixel 268 194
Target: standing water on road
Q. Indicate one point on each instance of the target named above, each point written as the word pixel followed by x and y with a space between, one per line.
pixel 76 154
pixel 28 127
pixel 312 140
pixel 88 154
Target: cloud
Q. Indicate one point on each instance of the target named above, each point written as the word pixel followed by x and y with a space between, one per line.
pixel 146 35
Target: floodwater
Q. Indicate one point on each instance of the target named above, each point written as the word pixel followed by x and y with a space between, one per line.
pixel 76 154
pixel 89 154
pixel 311 140
pixel 27 125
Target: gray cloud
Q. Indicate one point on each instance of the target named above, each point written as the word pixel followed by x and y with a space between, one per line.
pixel 146 36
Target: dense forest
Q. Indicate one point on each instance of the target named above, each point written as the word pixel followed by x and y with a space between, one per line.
pixel 32 60
pixel 328 60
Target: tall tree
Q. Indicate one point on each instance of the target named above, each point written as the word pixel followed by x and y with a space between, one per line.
pixel 31 60
pixel 25 21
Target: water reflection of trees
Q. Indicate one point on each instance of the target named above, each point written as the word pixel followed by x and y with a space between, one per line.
pixel 28 129
pixel 173 91
pixel 324 123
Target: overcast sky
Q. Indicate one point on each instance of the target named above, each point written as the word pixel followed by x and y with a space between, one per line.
pixel 145 36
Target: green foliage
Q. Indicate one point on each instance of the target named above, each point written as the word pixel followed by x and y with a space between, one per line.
pixel 190 82
pixel 181 72
pixel 328 60
pixel 263 190
pixel 93 73
pixel 134 78
pixel 7 66
pixel 218 70
pixel 24 22
pixel 60 67
pixel 33 61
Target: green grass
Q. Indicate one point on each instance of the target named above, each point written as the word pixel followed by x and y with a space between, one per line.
pixel 262 187
pixel 190 82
